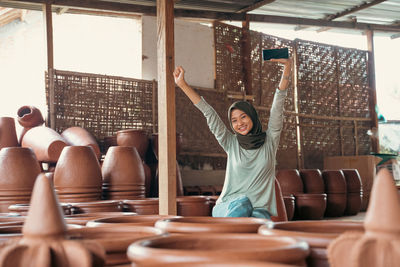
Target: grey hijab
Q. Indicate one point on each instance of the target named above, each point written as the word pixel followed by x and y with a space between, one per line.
pixel 256 137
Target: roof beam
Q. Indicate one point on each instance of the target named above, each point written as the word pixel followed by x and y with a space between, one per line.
pixel 347 11
pixel 255 6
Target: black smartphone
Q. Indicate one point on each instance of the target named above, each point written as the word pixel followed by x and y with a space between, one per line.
pixel 275 53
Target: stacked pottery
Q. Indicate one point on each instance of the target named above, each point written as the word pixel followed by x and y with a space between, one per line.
pixel 77 177
pixel 336 190
pixel 45 142
pixel 318 234
pixel 123 174
pixel 78 136
pixel 28 117
pixel 308 206
pixel 354 191
pixel 18 171
pixel 8 135
pixel 138 220
pixel 217 247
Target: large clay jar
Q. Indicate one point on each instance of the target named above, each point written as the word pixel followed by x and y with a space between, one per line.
pixel 310 206
pixel 97 206
pixel 123 173
pixel 144 206
pixel 78 175
pixel 109 141
pixel 217 247
pixel 135 138
pixel 354 191
pixel 29 116
pixel 78 136
pixel 336 190
pixel 188 225
pixel 289 181
pixel 8 134
pixel 193 206
pixel 45 142
pixel 289 206
pixel 115 240
pixel 312 181
pixel 318 234
pixel 18 171
pixel 179 143
pixel 138 220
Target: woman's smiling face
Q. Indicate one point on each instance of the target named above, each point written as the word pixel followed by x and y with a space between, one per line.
pixel 241 122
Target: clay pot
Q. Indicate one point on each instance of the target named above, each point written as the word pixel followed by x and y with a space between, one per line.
pixel 78 172
pixel 334 181
pixel 45 142
pixel 78 136
pixel 217 247
pixel 187 225
pixel 97 206
pixel 115 240
pixel 312 181
pixel 138 220
pixel 147 179
pixel 123 173
pixel 289 206
pixel 179 184
pixel 335 204
pixel 136 138
pixel 354 191
pixel 193 206
pixel 353 205
pixel 8 134
pixel 318 234
pixel 212 200
pixel 310 206
pixel 290 181
pixel 179 143
pixel 23 209
pixel 280 204
pixel 29 116
pixel 18 171
pixel 145 206
pixel 223 263
pixel 84 218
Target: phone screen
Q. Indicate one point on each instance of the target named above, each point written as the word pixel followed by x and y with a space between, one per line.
pixel 275 53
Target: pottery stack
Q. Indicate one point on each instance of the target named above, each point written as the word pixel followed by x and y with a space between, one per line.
pixel 336 190
pixel 18 171
pixel 77 177
pixel 123 174
pixel 8 135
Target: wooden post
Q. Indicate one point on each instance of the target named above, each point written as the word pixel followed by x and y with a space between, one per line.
pixel 166 108
pixel 246 54
pixel 48 29
pixel 372 90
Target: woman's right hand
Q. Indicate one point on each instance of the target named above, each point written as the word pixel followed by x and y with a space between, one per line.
pixel 179 76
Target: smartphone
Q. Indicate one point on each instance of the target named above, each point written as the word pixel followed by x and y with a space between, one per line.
pixel 275 53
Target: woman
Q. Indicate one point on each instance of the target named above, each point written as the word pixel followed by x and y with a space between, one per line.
pixel 248 189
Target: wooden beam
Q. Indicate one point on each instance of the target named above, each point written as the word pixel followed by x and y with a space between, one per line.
pixel 48 30
pixel 166 108
pixel 372 89
pixel 255 6
pixel 347 11
pixel 246 54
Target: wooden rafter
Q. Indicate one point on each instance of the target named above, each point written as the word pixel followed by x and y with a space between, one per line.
pixel 255 6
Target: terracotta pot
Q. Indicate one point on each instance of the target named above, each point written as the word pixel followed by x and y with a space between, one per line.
pixel 310 206
pixel 212 200
pixel 123 170
pixel 217 247
pixel 136 138
pixel 353 205
pixel 78 171
pixel 8 134
pixel 148 178
pixel 312 181
pixel 45 142
pixel 78 136
pixel 223 263
pixel 138 220
pixel 84 218
pixel 97 206
pixel 179 143
pixel 115 240
pixel 187 225
pixel 353 180
pixel 318 234
pixel 23 209
pixel 145 206
pixel 289 206
pixel 193 206
pixel 290 181
pixel 334 181
pixel 29 116
pixel 335 204
pixel 18 171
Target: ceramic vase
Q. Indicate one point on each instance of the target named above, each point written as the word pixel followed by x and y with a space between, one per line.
pixel 29 116
pixel 289 181
pixel 78 136
pixel 312 181
pixel 336 190
pixel 354 191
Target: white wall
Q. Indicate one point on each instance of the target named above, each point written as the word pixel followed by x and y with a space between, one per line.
pixel 194 50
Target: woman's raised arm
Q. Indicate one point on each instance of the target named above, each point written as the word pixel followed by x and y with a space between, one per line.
pixel 179 76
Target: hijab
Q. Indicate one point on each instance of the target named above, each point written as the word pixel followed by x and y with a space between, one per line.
pixel 256 137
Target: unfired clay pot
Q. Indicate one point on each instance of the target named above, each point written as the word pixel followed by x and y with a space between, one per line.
pixel 8 134
pixel 45 142
pixel 138 220
pixel 29 116
pixel 216 247
pixel 318 234
pixel 187 225
pixel 78 136
pixel 290 181
pixel 136 138
pixel 312 181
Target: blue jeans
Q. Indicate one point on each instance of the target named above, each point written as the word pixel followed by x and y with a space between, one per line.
pixel 239 207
